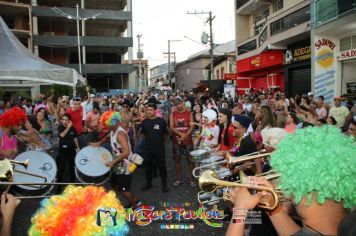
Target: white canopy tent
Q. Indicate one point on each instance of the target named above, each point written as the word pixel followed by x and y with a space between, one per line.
pixel 20 68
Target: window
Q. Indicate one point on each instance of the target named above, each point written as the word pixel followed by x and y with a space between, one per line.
pixel 247 47
pixel 263 37
pixel 217 74
pixel 222 72
pixel 348 43
pixel 277 5
pixel 262 15
pixel 290 21
pixel 345 44
pixel 259 27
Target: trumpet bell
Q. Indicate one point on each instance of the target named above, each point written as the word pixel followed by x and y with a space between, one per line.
pixel 207 181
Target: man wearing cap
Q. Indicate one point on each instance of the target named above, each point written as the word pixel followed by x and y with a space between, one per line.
pixel 338 112
pixel 240 125
pixel 180 120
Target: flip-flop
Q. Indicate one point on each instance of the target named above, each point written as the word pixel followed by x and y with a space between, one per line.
pixel 177 183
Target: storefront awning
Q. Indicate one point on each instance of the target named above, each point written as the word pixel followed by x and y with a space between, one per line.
pixel 262 61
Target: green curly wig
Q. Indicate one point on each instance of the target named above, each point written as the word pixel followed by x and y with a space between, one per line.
pixel 317 159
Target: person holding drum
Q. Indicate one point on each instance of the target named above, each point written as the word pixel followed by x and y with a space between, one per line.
pixel 68 144
pixel 121 148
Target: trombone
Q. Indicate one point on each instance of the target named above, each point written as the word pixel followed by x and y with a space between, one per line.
pixel 270 175
pixel 209 182
pixel 6 178
pixel 230 160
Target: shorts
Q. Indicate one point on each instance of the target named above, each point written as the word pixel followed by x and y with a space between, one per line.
pixel 121 182
pixel 183 150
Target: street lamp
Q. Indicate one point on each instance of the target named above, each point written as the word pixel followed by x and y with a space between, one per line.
pixel 77 18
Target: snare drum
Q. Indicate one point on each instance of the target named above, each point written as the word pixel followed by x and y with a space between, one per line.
pixel 40 163
pixel 90 165
pixel 198 155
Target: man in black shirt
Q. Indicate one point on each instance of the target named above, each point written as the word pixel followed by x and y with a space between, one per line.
pixel 68 144
pixel 154 132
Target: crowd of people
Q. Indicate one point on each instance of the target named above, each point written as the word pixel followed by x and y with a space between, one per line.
pixel 141 123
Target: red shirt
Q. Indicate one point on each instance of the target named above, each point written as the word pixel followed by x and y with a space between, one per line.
pixel 231 138
pixel 181 122
pixel 76 118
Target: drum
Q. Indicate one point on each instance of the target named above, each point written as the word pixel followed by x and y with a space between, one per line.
pixel 198 155
pixel 40 163
pixel 90 165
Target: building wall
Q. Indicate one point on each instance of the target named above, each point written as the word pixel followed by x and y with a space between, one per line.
pixel 189 73
pixel 104 40
pixel 330 72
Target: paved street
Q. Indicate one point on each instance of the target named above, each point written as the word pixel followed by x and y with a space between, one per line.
pixel 177 195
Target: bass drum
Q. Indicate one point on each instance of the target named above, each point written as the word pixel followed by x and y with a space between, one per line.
pixel 90 165
pixel 40 163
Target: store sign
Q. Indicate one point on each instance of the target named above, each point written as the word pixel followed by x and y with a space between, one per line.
pixel 261 61
pixel 325 67
pixel 256 62
pixel 229 76
pixel 349 54
pixel 299 54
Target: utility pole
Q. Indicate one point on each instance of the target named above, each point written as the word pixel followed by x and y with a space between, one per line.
pixel 210 21
pixel 139 57
pixel 169 59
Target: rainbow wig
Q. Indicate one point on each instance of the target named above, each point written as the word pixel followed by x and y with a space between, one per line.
pixel 110 118
pixel 14 116
pixel 76 212
pixel 320 160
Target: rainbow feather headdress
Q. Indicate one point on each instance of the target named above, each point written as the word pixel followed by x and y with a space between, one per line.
pixel 110 118
pixel 77 211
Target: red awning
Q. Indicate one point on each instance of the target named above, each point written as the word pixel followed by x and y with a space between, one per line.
pixel 261 61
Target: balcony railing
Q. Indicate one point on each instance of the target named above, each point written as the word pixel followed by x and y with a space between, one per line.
pixel 326 11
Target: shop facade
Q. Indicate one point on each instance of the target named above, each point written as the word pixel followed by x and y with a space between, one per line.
pixel 334 50
pixel 264 70
pixel 297 68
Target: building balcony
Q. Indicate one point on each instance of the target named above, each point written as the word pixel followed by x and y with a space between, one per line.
pixel 247 7
pixel 104 14
pixel 277 30
pixel 326 11
pixel 84 41
pixel 102 68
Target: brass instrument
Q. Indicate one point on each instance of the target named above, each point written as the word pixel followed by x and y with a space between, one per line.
pixel 230 160
pixel 209 182
pixel 6 177
pixel 270 175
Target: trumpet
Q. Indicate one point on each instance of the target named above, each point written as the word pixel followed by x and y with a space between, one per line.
pixel 214 196
pixel 230 160
pixel 209 182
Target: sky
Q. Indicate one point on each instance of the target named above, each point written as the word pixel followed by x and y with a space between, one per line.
pixel 161 20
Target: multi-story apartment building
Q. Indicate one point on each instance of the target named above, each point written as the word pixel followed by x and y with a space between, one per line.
pixel 17 16
pixel 105 29
pixel 273 45
pixel 334 48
